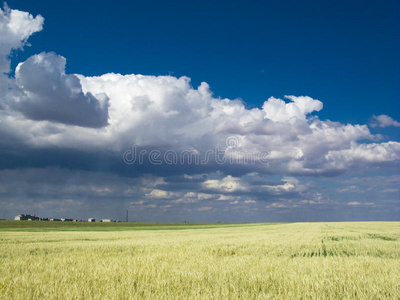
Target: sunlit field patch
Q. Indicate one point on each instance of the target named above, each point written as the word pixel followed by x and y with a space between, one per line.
pixel 213 261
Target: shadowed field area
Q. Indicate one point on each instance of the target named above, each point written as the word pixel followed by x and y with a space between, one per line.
pixel 30 226
pixel 358 260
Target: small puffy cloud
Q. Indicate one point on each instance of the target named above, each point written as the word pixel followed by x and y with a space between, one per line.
pixel 279 111
pixel 225 198
pixel 291 184
pixel 351 189
pixel 160 194
pixel 193 197
pixel 277 205
pixel 199 196
pixel 383 121
pixel 141 202
pixel 184 200
pixel 228 198
pixel 47 93
pixel 150 206
pixel 356 203
pixel 250 202
pixel 227 184
pixel 204 208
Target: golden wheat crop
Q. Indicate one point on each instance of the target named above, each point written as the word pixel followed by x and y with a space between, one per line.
pixel 254 261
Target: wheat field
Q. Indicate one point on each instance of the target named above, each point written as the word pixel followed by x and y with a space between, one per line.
pixel 357 260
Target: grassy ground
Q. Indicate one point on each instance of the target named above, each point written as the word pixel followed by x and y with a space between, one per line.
pixel 213 261
pixel 39 226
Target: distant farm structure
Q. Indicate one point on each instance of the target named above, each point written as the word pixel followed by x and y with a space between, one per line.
pixel 23 217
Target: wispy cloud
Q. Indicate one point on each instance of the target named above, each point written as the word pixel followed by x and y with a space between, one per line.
pixel 383 121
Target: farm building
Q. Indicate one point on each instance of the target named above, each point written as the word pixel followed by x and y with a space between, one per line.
pixel 23 217
pixel 91 220
pixel 106 220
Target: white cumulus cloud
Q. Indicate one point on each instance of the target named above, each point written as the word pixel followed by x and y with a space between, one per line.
pixel 383 121
pixel 109 113
pixel 160 194
pixel 15 29
pixel 47 93
pixel 227 184
pixel 280 111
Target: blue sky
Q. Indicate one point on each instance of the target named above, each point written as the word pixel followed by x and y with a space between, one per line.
pixel 343 53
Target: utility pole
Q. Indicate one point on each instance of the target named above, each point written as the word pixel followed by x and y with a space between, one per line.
pixel 126 216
